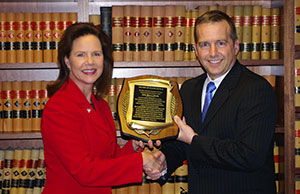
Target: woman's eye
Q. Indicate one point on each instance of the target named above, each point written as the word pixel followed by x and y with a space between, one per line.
pixel 79 54
pixel 98 54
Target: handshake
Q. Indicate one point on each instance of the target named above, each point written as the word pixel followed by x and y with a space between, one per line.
pixel 154 161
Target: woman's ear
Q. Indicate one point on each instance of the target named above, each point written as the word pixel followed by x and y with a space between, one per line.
pixel 67 62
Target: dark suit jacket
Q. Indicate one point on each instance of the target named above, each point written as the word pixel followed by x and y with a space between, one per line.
pixel 233 152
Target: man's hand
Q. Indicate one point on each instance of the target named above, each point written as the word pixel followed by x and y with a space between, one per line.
pixel 160 159
pixel 186 133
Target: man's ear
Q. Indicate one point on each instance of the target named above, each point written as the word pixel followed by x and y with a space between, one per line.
pixel 195 49
pixel 236 47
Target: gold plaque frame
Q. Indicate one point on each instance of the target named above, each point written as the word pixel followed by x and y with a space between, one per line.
pixel 146 107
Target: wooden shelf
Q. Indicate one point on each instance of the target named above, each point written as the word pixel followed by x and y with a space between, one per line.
pixel 138 64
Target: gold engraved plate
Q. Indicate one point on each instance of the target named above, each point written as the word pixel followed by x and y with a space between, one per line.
pixel 146 107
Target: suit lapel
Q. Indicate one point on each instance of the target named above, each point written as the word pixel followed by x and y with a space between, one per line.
pixel 97 118
pixel 196 98
pixel 223 92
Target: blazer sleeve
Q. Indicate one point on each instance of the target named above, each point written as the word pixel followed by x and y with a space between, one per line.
pixel 62 134
pixel 252 120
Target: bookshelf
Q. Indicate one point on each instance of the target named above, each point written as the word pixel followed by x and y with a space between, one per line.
pixel 84 8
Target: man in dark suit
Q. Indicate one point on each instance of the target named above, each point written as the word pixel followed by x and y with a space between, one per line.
pixel 229 149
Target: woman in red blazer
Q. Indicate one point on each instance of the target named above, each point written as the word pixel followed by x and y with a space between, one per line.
pixel 81 151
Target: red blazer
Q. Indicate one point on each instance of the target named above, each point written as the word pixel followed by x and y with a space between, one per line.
pixel 80 145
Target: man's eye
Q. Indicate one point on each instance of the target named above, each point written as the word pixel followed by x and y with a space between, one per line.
pixel 222 43
pixel 204 45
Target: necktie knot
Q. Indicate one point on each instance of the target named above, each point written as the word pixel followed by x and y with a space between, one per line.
pixel 208 96
pixel 210 87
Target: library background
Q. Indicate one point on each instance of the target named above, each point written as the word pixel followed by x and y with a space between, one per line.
pixel 149 37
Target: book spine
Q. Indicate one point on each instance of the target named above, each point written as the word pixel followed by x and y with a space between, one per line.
pixel 1 109
pixel 169 32
pixel 275 33
pixel 247 32
pixel 169 186
pixel 202 9
pixel 179 32
pixel 17 106
pixel 24 171
pixel 256 33
pixel 26 107
pixel 3 50
pixel 111 100
pixel 20 31
pixel 37 38
pixel 32 167
pixel 158 32
pixel 95 19
pixel 297 82
pixel 222 8
pixel 213 7
pixel 127 33
pixel 122 190
pixel 136 34
pixel 117 32
pixel 11 37
pixel 28 37
pixel 144 188
pixel 132 189
pixel 57 29
pixel 297 22
pixel 47 37
pixel 65 20
pixel 118 88
pixel 15 176
pixel 7 107
pixel 272 80
pixel 187 35
pixel 181 176
pixel 266 33
pixel 36 105
pixel 7 171
pixel 105 20
pixel 44 95
pixel 229 10
pixel 73 18
pixel 194 15
pixel 238 22
pixel 146 33
pixel 155 187
pixel 1 168
pixel 40 173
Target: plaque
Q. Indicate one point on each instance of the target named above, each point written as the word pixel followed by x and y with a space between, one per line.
pixel 146 107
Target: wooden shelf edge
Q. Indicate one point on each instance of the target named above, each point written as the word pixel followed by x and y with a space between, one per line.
pixel 138 64
pixel 20 136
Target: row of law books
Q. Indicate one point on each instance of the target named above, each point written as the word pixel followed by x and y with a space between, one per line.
pixel 166 33
pixel 279 166
pixel 32 37
pixel 176 184
pixel 21 105
pixel 22 171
